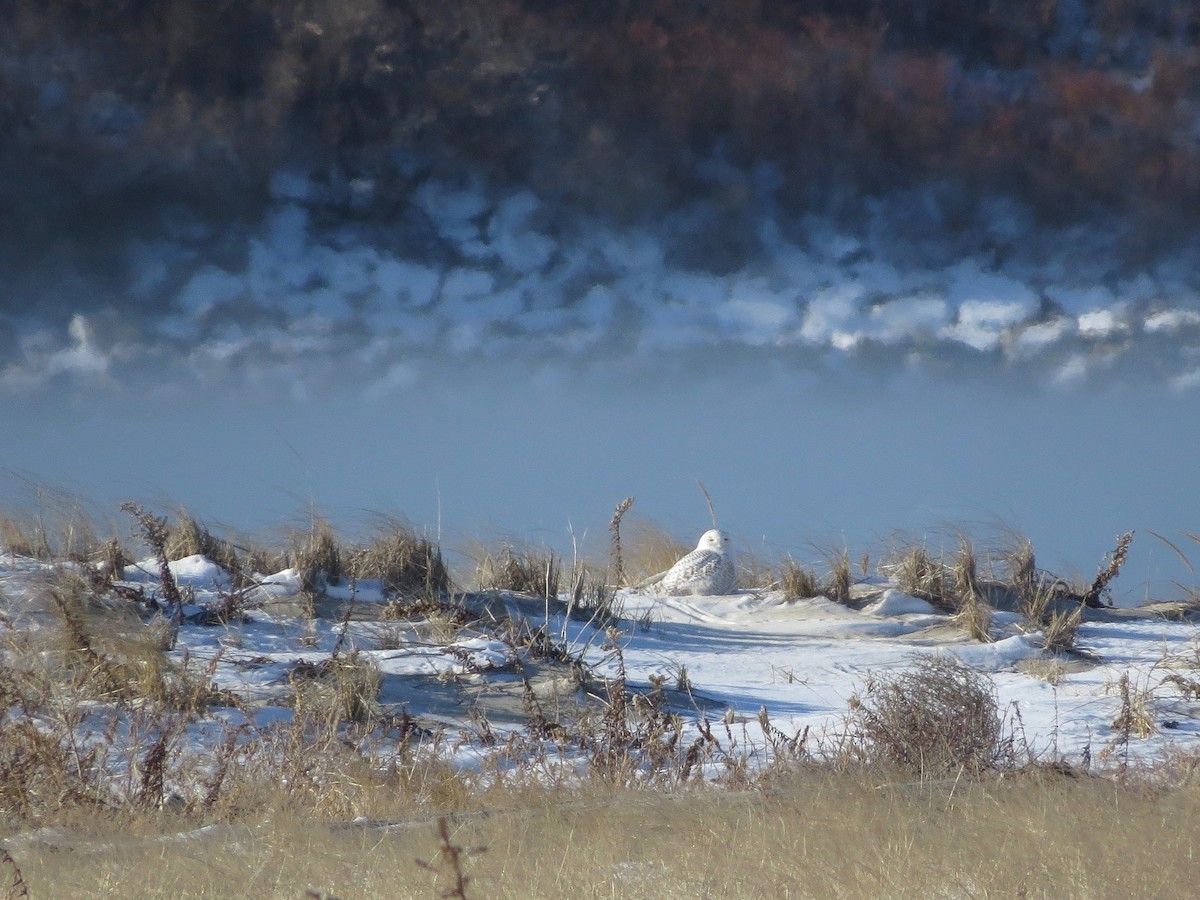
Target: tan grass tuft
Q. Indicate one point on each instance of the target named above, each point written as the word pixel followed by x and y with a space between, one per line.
pixel 974 616
pixel 922 575
pixel 798 581
pixel 964 572
pixel 316 554
pixel 1060 630
pixel 342 688
pixel 408 565
pixel 519 568
pixel 1022 566
pixel 841 579
pixel 60 528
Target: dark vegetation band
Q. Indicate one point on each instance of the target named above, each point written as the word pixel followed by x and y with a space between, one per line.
pixel 611 106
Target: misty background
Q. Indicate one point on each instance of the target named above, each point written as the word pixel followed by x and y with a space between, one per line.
pixel 859 268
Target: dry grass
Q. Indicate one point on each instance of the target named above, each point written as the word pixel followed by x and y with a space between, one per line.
pixel 950 581
pixel 798 581
pixel 1183 671
pixel 56 526
pixel 841 579
pixel 921 574
pixel 939 716
pixel 974 617
pixel 409 565
pixel 316 554
pixel 964 572
pixel 812 836
pixel 188 536
pixel 95 653
pixel 513 567
pixel 1050 670
pixel 1136 715
pixel 754 572
pixel 343 688
pixel 1060 630
pixel 1047 606
pixel 649 549
pixel 1021 561
pixel 592 593
pixel 93 714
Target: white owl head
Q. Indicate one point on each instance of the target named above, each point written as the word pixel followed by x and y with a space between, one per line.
pixel 714 539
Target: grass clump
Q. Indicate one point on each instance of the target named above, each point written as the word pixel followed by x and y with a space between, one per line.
pixel 921 574
pixel 61 528
pixel 974 616
pixel 951 582
pixel 523 569
pixel 841 579
pixel 798 581
pixel 115 655
pixel 591 593
pixel 342 688
pixel 1021 561
pixel 1060 630
pixel 409 565
pixel 316 555
pixel 1135 718
pixel 190 537
pixel 1038 599
pixel 938 717
pixel 21 537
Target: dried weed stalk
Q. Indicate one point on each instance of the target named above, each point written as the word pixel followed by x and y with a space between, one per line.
pixel 451 862
pixel 1094 595
pixel 16 885
pixel 614 528
pixel 155 534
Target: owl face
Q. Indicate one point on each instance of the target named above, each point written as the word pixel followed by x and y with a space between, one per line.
pixel 713 539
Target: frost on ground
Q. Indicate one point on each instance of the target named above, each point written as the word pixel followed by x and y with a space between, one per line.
pixel 646 688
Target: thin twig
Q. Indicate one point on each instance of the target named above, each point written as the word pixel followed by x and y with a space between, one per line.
pixel 615 527
pixel 712 510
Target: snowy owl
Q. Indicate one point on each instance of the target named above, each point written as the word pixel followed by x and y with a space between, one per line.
pixel 708 569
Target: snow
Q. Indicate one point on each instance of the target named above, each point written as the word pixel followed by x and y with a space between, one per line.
pixel 800 659
pixel 895 603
